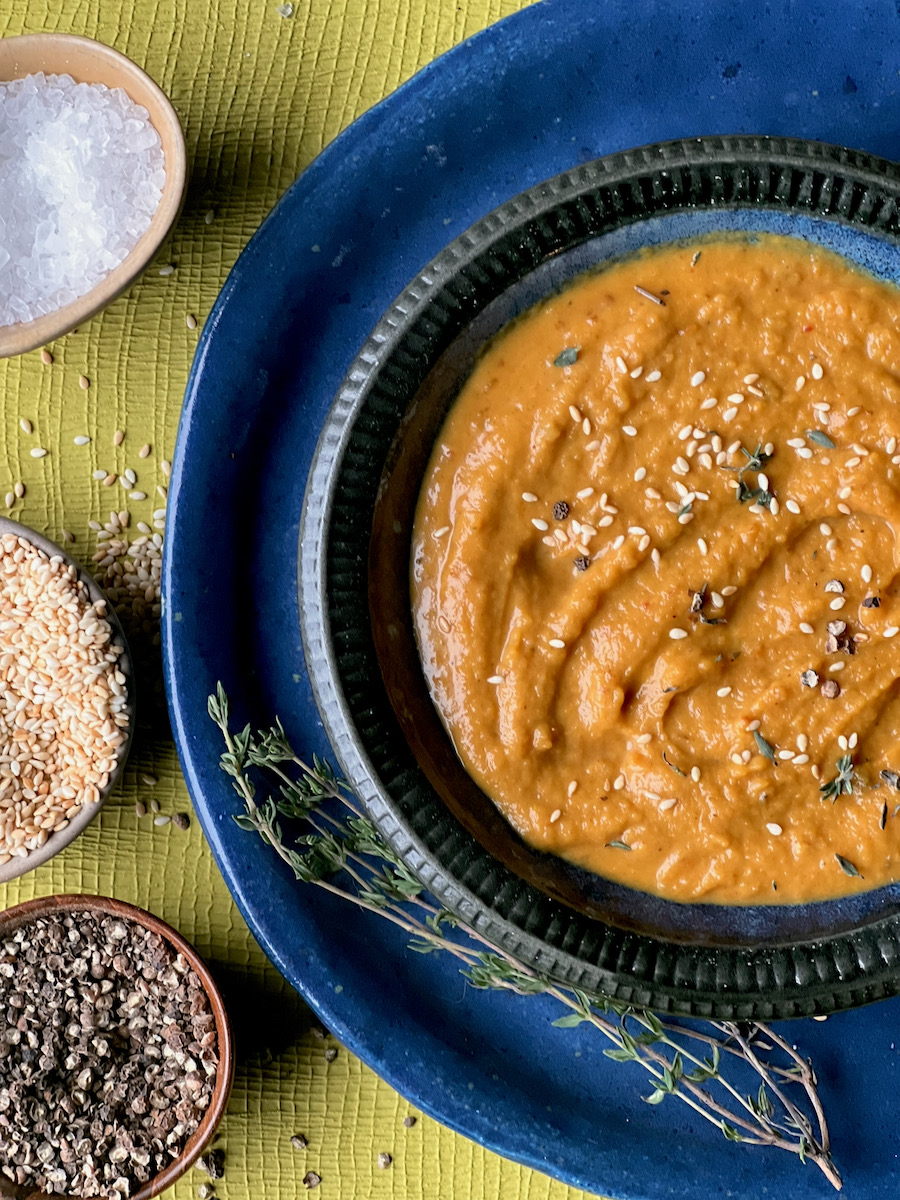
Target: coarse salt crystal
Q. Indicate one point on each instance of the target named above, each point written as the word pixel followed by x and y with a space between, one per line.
pixel 83 172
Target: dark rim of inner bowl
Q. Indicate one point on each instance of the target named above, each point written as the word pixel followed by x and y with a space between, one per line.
pixel 640 953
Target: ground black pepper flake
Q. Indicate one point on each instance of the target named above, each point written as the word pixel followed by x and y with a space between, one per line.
pixel 213 1163
pixel 299 1142
pixel 181 821
pixel 409 1122
pixel 107 1055
pixel 330 1054
pixel 830 689
pixel 311 1180
pixel 871 602
pixel 582 564
pixel 384 1160
pixel 560 510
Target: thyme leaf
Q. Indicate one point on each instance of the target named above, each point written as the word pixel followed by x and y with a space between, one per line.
pixel 847 866
pixel 820 438
pixel 672 767
pixel 764 747
pixel 566 357
pixel 616 844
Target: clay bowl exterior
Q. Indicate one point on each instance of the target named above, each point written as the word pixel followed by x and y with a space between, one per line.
pixel 88 61
pixel 702 959
pixel 86 813
pixel 60 906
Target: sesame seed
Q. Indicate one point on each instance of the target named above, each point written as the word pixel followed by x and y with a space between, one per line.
pixel 752 726
pixel 605 522
pixel 637 372
pixel 25 425
pixel 10 499
pixel 892 631
pixel 724 691
pixel 118 437
pixel 137 495
pixel 653 376
pixel 754 391
pixel 805 452
pixel 558 535
pixel 866 573
pixel 746 755
pixel 844 492
pixel 837 603
pixel 697 378
pixel 655 556
pixel 816 771
pixel 38 452
pixel 166 467
pixel 586 427
pixel 729 414
pixel 802 741
pixel 716 442
pixel 592 446
pixel 619 542
pixel 852 741
pixel 537 522
pixel 549 541
pixel 695 774
pixel 774 507
pixel 717 601
pixel 555 815
pixel 799 383
pixel 685 433
pixel 644 542
pixel 763 480
pixel 621 365
pixel 161 820
pixel 774 829
pixel 629 430
pixel 168 269
pixel 702 546
pixel 842 742
pixel 787 755
pixel 438 533
pixel 736 758
pixel 531 498
pixel 853 462
pixel 83 382
pixel 734 447
pixel 574 413
pixel 755 508
pixel 618 783
pixel 677 634
pixel 796 443
pixel 19 489
pixel 557 643
pixel 640 473
pixel 838 666
pixel 800 760
pixel 736 398
pixel 825 529
pixel 665 805
pixel 891 446
pixel 792 506
pixel 851 412
pixel 46 357
pixel 191 321
pixel 831 544
pixel 729 590
pixel 644 739
pixel 570 790
pixel 706 461
pixel 685 518
pixel 844 509
pixel 638 530
pixel 821 406
pixel 709 402
pixel 683 464
pixel 751 378
pixel 805 627
pixel 816 371
pixel 584 494
pixel 495 679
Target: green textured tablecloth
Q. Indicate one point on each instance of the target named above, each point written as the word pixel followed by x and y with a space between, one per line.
pixel 259 95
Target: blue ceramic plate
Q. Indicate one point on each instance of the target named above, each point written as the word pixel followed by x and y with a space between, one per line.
pixel 558 84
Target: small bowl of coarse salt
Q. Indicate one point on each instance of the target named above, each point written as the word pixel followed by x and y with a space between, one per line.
pixel 92 172
pixel 66 699
pixel 116 1054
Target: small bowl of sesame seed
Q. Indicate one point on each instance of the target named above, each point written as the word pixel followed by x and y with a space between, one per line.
pixel 66 699
pixel 116 1053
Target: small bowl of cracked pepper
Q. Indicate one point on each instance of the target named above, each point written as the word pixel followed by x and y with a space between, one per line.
pixel 115 1051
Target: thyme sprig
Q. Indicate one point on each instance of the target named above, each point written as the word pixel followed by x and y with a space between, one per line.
pixel 842 784
pixel 346 856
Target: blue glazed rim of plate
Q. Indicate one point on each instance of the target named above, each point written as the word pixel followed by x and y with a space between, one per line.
pixel 732 962
pixel 556 100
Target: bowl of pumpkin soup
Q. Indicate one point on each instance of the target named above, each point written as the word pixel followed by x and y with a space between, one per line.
pixel 598 577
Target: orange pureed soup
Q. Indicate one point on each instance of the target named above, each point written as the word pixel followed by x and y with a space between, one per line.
pixel 654 573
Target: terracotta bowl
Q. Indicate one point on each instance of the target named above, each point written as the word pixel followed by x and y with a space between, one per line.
pixel 83 817
pixel 88 61
pixel 50 906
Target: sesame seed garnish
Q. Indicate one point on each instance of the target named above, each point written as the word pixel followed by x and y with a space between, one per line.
pixel 891 631
pixel 802 741
pixel 191 321
pixel 866 573
pixel 799 383
pixel 816 371
pixel 851 412
pixel 537 522
pixel 787 755
pixel 729 414
pixel 796 443
pixel 716 442
pixel 729 590
pixel 83 382
pixel 792 506
pixel 46 357
pixel 685 433
pixel 831 544
pixel 844 509
pixel 592 446
pixel 559 535
pixel 118 437
pixel 38 452
pixel 654 376
pixel 825 529
pixel 842 742
pixel 557 643
pixel 805 627
pixel 891 446
pixel 25 425
pixel 10 499
pixel 555 815
pixel 619 542
pixel 754 391
pixel 837 604
pixel 638 530
pixel 852 741
pixel 665 805
pixel 574 413
pixel 685 518
pixel 746 755
pixel 570 790
pixel 683 464
pixel 636 373
pixel 629 430
pixel 838 666
pixel 495 679
pixel 584 494
pixel 618 783
pixel 620 364
pixel 737 760
pixel 853 462
pixel 640 473
pixel 530 497
pixel 644 542
pixel 548 540
pixel 753 726
pixel 751 378
pixel 439 533
pixel 586 427
pixel 695 774
pixel 774 507
pixel 706 461
pixel 724 691
pixel 702 546
pixel 697 378
pixel 605 522
pixel 81 440
pixel 655 556
pixel 644 739
pixel 800 760
pixel 709 402
pixel 821 406
pixel 677 634
pixel 717 601
pixel 805 452
pixel 774 829
pixel 755 508
pixel 844 492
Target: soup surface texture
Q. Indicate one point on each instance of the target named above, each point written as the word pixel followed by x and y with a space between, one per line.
pixel 654 573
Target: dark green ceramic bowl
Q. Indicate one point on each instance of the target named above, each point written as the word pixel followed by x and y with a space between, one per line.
pixel 704 959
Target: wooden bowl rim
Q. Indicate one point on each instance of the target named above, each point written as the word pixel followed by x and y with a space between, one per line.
pixel 28 335
pixel 46 906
